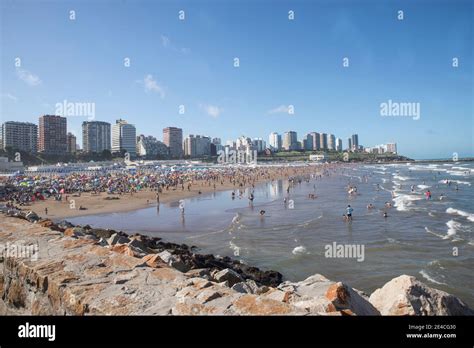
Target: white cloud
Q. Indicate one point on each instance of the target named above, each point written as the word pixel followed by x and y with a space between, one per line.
pixel 282 109
pixel 10 96
pixel 28 77
pixel 152 86
pixel 165 41
pixel 212 110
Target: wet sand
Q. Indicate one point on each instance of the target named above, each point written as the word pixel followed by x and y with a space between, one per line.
pixel 98 204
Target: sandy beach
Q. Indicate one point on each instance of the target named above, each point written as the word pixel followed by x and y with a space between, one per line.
pixel 103 203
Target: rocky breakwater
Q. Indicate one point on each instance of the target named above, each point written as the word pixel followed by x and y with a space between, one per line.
pixel 80 270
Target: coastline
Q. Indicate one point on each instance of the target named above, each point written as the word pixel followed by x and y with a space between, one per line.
pixel 97 204
pixel 86 271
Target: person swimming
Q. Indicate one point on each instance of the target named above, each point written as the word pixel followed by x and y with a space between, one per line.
pixel 385 215
pixel 370 206
pixel 262 212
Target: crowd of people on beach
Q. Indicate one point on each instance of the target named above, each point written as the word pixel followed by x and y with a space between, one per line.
pixel 23 190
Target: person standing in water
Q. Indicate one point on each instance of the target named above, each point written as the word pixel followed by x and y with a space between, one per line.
pixel 349 211
pixel 428 195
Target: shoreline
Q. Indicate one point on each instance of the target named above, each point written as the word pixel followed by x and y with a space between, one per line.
pixel 97 204
pixel 130 271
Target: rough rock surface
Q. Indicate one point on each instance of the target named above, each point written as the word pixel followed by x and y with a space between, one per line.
pixel 77 275
pixel 405 295
pixel 319 295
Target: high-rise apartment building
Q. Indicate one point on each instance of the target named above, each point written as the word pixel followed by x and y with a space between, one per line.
pixel 151 148
pixel 259 144
pixel 391 147
pixel 316 141
pixel 274 139
pixel 338 144
pixel 19 136
pixel 290 141
pixel 308 142
pixel 96 136
pixel 124 137
pixel 355 142
pixel 173 138
pixel 323 141
pixel 331 142
pixel 195 146
pixel 52 135
pixel 71 143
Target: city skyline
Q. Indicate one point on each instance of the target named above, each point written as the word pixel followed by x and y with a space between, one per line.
pixel 291 75
pixel 52 137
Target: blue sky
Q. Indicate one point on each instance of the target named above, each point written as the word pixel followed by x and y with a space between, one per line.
pixel 282 63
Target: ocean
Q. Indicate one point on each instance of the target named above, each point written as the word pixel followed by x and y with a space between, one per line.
pixel 431 239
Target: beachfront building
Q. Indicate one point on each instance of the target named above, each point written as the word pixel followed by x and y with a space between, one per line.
pixel 355 142
pixel 232 145
pixel 383 148
pixel 308 142
pixel 124 137
pixel 274 139
pixel 173 138
pixel 71 143
pixel 318 158
pixel 95 136
pixel 216 146
pixel 52 135
pixel 323 141
pixel 10 166
pixel 19 136
pixel 151 148
pixel 338 144
pixel 243 143
pixel 331 142
pixel 197 145
pixel 391 147
pixel 259 144
pixel 290 141
pixel 349 144
pixel 316 141
pixel 377 149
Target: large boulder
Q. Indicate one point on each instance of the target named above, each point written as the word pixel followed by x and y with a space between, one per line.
pixel 117 239
pixel 231 276
pixel 101 233
pixel 74 232
pixel 319 295
pixel 153 260
pixel 173 261
pixel 64 224
pixel 31 216
pixel 405 295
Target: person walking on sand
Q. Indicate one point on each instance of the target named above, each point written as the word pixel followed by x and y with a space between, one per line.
pixel 46 211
